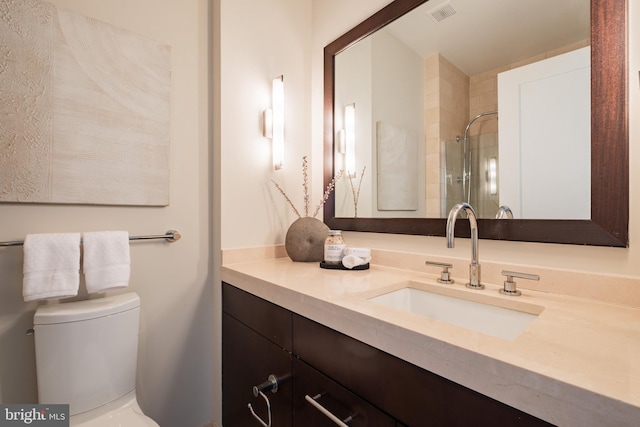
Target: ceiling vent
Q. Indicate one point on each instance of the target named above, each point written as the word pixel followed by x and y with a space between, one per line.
pixel 442 12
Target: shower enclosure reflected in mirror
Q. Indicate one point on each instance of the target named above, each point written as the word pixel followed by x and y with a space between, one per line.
pixel 603 218
pixel 470 167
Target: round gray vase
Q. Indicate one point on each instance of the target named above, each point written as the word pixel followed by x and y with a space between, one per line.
pixel 305 238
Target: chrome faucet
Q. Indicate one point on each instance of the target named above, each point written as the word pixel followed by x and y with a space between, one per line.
pixel 474 267
pixel 504 212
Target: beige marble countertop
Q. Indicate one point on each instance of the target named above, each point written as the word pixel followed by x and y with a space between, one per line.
pixel 577 364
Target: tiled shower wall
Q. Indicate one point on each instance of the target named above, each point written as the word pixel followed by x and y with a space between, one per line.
pixel 446 112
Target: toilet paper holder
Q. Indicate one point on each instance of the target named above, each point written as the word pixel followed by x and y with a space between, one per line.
pixel 270 384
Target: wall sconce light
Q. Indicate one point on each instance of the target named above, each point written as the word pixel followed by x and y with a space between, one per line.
pixel 342 149
pixel 492 175
pixel 350 139
pixel 273 122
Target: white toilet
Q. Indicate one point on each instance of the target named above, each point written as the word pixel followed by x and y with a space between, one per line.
pixel 86 354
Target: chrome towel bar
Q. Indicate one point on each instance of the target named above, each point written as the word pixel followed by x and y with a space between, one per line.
pixel 170 236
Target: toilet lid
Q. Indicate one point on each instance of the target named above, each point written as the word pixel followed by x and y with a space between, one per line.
pixel 123 413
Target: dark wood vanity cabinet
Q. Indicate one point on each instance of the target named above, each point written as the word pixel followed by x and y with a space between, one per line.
pixel 348 378
pixel 256 343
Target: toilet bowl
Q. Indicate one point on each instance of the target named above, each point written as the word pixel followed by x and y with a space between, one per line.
pixel 86 356
pixel 121 412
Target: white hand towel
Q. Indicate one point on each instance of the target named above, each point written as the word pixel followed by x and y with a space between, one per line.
pixel 106 263
pixel 51 266
pixel 351 261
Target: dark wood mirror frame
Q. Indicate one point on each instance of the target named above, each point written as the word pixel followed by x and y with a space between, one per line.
pixel 609 221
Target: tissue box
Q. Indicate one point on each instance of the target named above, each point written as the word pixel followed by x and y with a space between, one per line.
pixel 359 252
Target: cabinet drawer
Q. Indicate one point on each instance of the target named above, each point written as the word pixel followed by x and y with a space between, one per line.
pixel 410 394
pixel 309 384
pixel 248 359
pixel 269 320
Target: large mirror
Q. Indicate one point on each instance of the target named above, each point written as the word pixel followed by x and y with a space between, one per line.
pixel 447 136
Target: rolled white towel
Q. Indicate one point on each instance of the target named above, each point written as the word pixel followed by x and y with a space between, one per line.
pixel 106 263
pixel 51 266
pixel 351 261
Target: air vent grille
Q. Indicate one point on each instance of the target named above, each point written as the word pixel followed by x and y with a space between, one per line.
pixel 442 12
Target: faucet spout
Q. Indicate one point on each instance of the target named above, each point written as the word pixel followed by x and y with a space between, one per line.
pixel 504 212
pixel 474 266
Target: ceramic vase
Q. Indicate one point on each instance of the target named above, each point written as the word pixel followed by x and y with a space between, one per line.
pixel 305 238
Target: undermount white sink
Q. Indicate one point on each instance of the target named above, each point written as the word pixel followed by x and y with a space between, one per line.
pixel 476 311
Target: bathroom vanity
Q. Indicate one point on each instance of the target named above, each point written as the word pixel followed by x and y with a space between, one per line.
pixel 328 345
pixel 352 380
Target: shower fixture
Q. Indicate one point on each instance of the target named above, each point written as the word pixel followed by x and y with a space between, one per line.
pixel 466 156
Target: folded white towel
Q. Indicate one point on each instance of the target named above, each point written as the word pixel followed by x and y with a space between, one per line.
pixel 106 262
pixel 51 266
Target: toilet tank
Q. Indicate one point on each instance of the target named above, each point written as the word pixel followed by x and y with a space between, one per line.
pixel 86 351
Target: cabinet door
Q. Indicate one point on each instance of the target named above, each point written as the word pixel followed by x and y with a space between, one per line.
pixel 267 319
pixel 248 359
pixel 316 398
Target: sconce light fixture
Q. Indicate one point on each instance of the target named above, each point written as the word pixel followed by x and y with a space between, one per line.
pixel 273 122
pixel 350 139
pixel 492 175
pixel 342 149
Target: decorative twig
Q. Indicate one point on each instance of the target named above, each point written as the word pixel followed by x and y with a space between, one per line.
pixel 328 191
pixel 287 198
pixel 356 194
pixel 305 186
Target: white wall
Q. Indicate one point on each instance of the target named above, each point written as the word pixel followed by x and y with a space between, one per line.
pixel 175 375
pixel 398 99
pixel 331 19
pixel 364 74
pixel 259 41
pixel 540 104
pixel 353 84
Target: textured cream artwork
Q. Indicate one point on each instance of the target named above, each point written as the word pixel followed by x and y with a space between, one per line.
pixel 397 168
pixel 84 111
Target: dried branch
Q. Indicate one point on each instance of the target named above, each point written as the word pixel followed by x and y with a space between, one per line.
pixel 286 198
pixel 305 185
pixel 356 194
pixel 328 191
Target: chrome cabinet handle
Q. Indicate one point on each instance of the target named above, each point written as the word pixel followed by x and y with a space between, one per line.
pixel 270 384
pixel 314 401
